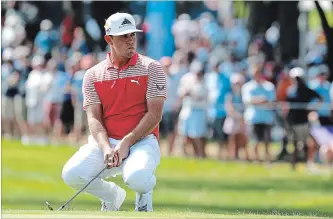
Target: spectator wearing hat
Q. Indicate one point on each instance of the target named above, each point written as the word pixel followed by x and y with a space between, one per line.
pixel 46 39
pixel 258 95
pixel 297 116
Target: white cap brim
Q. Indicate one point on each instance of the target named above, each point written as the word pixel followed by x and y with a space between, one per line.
pixel 124 32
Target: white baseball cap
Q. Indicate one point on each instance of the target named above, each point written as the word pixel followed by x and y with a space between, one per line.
pixel 296 72
pixel 120 24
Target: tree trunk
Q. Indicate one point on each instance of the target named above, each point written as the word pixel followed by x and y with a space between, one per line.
pixel 329 39
pixel 289 33
pixel 261 16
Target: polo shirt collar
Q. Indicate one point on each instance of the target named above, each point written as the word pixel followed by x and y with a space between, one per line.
pixel 133 60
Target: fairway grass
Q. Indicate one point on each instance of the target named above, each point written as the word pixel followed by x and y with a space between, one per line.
pixel 132 215
pixel 186 188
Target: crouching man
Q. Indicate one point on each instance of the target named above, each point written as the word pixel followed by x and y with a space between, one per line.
pixel 123 99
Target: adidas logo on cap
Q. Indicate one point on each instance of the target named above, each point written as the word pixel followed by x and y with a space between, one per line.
pixel 126 22
pixel 120 24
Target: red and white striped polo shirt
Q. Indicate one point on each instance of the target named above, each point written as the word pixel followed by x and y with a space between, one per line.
pixel 123 92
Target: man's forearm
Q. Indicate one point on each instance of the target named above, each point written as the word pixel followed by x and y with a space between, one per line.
pixel 258 100
pixel 99 133
pixel 144 128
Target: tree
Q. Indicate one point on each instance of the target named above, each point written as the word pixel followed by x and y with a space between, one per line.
pixel 261 16
pixel 329 39
pixel 289 32
pixel 263 13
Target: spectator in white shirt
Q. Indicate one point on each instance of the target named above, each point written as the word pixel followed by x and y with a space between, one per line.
pixel 193 116
pixel 34 101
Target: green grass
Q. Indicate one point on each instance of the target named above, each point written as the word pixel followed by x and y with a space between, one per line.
pixel 185 187
pixel 86 214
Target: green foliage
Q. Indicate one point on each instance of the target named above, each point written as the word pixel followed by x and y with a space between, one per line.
pixel 314 19
pixel 241 9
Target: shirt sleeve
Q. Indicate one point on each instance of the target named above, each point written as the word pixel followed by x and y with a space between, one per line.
pixel 246 94
pixel 182 89
pixel 157 83
pixel 272 95
pixel 90 95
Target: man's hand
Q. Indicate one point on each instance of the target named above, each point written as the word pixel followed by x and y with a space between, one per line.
pixel 98 131
pixel 121 151
pixel 110 157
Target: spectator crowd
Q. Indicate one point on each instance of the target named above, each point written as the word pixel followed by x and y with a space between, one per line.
pixel 225 86
pixel 222 85
pixel 42 80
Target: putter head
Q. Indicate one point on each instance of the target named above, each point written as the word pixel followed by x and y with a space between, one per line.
pixel 62 207
pixel 49 206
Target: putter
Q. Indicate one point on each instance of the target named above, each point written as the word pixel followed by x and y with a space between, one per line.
pixel 71 199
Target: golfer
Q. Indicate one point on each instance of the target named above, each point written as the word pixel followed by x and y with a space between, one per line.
pixel 123 99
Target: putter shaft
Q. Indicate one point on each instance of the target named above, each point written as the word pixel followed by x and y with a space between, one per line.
pixel 71 199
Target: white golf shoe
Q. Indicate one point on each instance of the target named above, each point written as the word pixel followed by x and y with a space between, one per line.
pixel 115 206
pixel 144 202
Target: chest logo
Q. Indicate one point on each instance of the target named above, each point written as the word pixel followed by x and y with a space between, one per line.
pixel 160 87
pixel 135 81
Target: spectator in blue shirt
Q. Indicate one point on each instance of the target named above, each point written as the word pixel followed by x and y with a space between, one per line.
pixel 79 43
pixel 12 96
pixel 46 39
pixel 172 104
pixel 322 87
pixel 54 86
pixel 218 85
pixel 80 119
pixel 258 94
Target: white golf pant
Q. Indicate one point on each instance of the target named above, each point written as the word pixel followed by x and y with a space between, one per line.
pixel 138 169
